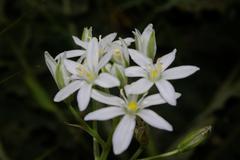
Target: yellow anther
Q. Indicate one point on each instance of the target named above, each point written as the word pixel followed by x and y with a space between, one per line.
pixel 81 70
pixel 154 73
pixel 132 106
pixel 90 76
pixel 117 52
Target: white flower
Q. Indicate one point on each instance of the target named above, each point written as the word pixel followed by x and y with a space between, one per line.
pixel 105 44
pixel 57 69
pixel 129 107
pixel 146 42
pixel 86 75
pixel 156 74
pixel 120 53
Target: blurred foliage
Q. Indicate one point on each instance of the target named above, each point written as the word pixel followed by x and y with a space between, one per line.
pixel 206 33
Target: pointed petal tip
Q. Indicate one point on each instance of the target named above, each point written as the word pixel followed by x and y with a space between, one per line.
pixel 169 128
pixel 56 99
pixel 174 51
pixel 87 118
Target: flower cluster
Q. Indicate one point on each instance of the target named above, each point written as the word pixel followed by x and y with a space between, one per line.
pixel 102 63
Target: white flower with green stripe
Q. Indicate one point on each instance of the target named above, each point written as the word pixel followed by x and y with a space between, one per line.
pixel 156 73
pixel 86 75
pixel 129 106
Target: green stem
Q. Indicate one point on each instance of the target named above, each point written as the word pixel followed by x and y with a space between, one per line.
pixel 95 143
pixel 83 125
pixel 107 148
pixel 164 155
pixel 137 153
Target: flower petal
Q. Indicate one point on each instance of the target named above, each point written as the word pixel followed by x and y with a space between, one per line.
pixel 139 58
pixel 106 80
pixel 80 42
pixel 68 90
pixel 104 114
pixel 147 32
pixel 155 99
pixel 71 66
pixel 123 134
pixel 167 91
pixel 93 54
pixel 135 71
pixel 107 39
pixel 128 41
pixel 106 98
pixel 154 120
pixel 51 64
pixel 179 72
pixel 167 59
pixel 83 96
pixel 71 53
pixel 140 86
pixel 104 60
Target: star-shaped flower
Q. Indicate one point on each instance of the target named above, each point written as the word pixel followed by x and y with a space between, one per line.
pixel 86 75
pixel 129 107
pixel 156 74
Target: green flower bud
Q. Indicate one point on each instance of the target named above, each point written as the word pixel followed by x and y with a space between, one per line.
pixel 193 139
pixel 146 42
pixel 118 71
pixel 152 47
pixel 87 34
pixel 57 70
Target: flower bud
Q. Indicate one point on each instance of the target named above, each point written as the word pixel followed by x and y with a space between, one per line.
pixel 146 42
pixel 57 70
pixel 87 34
pixel 118 71
pixel 193 139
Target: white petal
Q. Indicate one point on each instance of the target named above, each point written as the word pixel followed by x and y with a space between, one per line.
pixel 139 58
pixel 80 42
pixel 155 99
pixel 146 36
pixel 167 59
pixel 179 72
pixel 51 64
pixel 147 32
pixel 108 39
pixel 106 98
pixel 123 134
pixel 154 120
pixel 167 91
pixel 104 114
pixel 128 41
pixel 92 54
pixel 83 96
pixel 106 80
pixel 135 71
pixel 71 53
pixel 68 90
pixel 104 60
pixel 139 87
pixel 71 66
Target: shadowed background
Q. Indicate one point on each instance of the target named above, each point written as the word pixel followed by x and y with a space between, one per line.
pixel 205 33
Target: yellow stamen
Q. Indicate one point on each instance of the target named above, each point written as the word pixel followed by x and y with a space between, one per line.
pixel 132 106
pixel 154 73
pixel 85 73
pixel 117 52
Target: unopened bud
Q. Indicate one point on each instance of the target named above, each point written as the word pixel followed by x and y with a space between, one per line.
pixel 193 139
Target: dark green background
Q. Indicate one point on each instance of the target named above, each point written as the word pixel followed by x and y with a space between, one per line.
pixel 206 34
